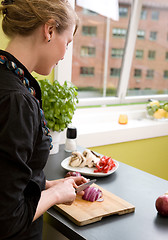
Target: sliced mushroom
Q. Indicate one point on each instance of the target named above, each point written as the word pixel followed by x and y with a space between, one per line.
pixel 91 158
pixel 77 160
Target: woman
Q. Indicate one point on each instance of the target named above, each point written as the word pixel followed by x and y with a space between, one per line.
pixel 39 32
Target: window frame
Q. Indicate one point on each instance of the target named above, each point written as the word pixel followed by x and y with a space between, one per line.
pixel 121 97
pixel 117 52
pixel 87 51
pixel 153 36
pixel 87 71
pixel 139 54
pixel 115 72
pixel 150 73
pixel 151 54
pixel 92 31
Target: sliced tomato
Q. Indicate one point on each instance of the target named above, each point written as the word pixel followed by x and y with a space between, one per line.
pixel 105 164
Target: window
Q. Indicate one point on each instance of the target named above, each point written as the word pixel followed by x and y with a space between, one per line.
pixel 151 54
pixel 153 36
pixel 88 12
pixel 166 56
pixel 141 34
pixel 119 32
pixel 150 73
pixel 139 54
pixel 143 14
pixel 123 11
pixel 109 54
pixel 128 53
pixel 137 73
pixel 88 51
pixel 115 72
pixel 155 48
pixel 155 15
pixel 87 71
pixel 117 52
pixel 165 74
pixel 89 30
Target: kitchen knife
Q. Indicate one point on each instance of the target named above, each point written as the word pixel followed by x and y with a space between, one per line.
pixel 84 186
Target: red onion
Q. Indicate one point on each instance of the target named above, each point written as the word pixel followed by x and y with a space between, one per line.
pixel 162 205
pixel 92 194
pixel 73 174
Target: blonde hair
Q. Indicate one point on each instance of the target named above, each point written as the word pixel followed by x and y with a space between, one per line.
pixel 24 16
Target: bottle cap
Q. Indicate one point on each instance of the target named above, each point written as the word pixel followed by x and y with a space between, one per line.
pixel 71 132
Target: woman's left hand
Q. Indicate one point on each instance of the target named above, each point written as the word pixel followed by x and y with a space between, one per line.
pixel 78 181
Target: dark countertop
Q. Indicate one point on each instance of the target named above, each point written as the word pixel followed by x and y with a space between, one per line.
pixel 135 186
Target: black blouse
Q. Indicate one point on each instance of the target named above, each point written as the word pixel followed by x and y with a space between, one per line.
pixel 24 150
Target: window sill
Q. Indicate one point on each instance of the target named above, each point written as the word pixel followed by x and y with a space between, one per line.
pixel 99 126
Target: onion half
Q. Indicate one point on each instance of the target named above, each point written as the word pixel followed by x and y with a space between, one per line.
pixel 92 194
pixel 73 174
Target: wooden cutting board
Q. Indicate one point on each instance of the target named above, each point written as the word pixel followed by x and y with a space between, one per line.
pixel 83 212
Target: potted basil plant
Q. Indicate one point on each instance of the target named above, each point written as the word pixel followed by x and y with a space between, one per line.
pixel 59 104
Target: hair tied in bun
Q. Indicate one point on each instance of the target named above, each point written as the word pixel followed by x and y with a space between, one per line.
pixel 7 2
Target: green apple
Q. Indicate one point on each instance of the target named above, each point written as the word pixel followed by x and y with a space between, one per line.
pixel 165 107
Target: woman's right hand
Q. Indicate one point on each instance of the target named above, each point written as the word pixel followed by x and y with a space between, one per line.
pixel 60 191
pixel 64 191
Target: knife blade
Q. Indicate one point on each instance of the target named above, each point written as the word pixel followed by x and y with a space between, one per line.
pixel 84 186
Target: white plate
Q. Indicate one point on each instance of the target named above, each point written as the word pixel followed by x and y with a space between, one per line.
pixel 86 170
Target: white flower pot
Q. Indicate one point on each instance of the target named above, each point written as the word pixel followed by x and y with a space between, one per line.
pixel 57 139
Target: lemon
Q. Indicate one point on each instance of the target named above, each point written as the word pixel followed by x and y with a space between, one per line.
pixel 160 113
pixel 166 115
pixel 154 103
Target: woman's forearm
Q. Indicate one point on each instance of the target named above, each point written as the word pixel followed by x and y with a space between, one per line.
pixel 61 191
pixel 47 200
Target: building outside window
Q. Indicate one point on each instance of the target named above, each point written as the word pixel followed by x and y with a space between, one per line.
pixel 103 73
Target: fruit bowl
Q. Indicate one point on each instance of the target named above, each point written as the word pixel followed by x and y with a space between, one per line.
pixel 157 110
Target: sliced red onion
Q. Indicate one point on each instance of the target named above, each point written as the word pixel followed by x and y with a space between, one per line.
pixel 92 194
pixel 73 174
pixel 86 194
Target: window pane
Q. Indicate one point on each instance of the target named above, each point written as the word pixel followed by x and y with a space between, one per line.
pixel 93 73
pixel 144 14
pixel 87 51
pixel 139 53
pixel 123 11
pixel 151 54
pixel 155 15
pixel 150 73
pixel 151 70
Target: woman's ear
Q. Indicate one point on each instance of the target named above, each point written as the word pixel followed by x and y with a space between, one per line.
pixel 49 30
